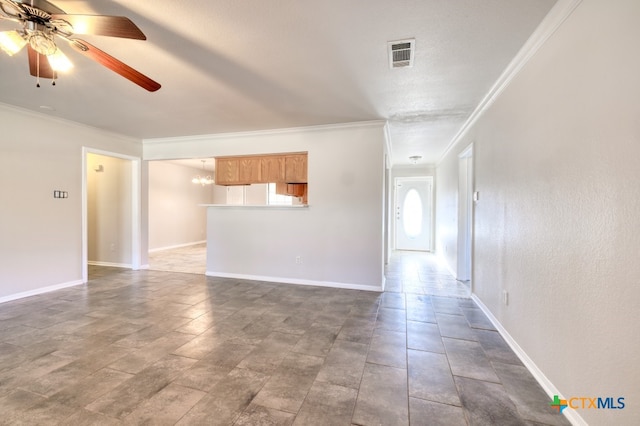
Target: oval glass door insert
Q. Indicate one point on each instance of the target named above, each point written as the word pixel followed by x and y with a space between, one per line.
pixel 412 214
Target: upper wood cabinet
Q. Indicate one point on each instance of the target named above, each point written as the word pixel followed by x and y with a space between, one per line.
pixel 296 168
pixel 269 168
pixel 227 171
pixel 272 169
pixel 249 170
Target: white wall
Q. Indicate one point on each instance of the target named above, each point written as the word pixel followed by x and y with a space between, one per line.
pixel 175 217
pixel 109 221
pixel 339 237
pixel 41 237
pixel 556 166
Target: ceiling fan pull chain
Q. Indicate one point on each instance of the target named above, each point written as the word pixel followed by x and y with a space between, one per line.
pixel 38 71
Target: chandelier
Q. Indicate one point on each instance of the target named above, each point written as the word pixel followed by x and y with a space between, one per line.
pixel 202 180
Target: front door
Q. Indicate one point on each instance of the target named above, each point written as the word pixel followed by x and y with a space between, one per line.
pixel 413 213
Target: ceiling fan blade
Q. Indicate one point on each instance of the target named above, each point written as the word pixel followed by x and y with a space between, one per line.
pixel 39 65
pixel 15 8
pixel 114 65
pixel 103 25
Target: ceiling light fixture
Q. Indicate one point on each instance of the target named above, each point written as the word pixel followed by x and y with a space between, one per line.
pixel 41 42
pixel 415 158
pixel 202 180
pixel 44 24
pixel 11 42
pixel 59 61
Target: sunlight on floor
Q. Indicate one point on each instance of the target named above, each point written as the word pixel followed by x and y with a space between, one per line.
pixel 422 273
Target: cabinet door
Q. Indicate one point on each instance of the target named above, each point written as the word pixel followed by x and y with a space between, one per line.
pixel 296 168
pixel 297 189
pixel 249 170
pixel 272 169
pixel 227 171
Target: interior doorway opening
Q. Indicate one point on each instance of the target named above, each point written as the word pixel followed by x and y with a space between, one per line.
pixel 177 220
pixel 110 210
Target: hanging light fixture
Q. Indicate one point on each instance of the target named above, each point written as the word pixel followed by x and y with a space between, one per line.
pixel 202 180
pixel 11 42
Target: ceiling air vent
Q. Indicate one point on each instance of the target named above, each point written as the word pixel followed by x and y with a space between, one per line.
pixel 401 53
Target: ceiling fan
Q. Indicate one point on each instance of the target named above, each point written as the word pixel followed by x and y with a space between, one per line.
pixel 42 23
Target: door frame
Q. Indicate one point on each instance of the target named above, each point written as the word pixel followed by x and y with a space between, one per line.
pixel 392 216
pixel 136 218
pixel 464 268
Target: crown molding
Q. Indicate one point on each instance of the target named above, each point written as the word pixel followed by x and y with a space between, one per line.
pixel 549 25
pixel 232 135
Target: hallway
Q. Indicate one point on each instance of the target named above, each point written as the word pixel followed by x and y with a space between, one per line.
pixel 175 348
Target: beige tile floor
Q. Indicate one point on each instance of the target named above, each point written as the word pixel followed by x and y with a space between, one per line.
pixel 152 347
pixel 190 259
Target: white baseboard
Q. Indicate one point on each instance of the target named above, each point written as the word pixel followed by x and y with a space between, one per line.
pixel 297 281
pixel 40 290
pixel 114 265
pixel 177 246
pixel 546 384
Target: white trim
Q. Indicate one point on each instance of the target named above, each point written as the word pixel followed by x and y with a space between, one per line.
pixel 549 388
pixel 257 206
pixel 40 290
pixel 136 215
pixel 298 281
pixel 176 246
pixel 388 144
pixel 467 152
pixel 554 19
pixel 110 264
pixel 214 136
pixel 464 259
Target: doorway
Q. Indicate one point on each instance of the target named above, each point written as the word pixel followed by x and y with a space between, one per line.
pixel 465 214
pixel 413 207
pixel 110 210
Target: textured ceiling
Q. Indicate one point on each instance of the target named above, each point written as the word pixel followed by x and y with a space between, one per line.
pixel 231 66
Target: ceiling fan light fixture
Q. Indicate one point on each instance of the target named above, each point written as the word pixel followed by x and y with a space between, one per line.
pixel 42 42
pixel 11 42
pixel 59 61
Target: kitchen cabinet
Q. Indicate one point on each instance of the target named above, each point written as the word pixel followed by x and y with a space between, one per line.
pixel 292 189
pixel 227 171
pixel 272 168
pixel 288 169
pixel 296 168
pixel 249 170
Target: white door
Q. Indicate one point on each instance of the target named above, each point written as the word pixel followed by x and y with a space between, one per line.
pixel 413 213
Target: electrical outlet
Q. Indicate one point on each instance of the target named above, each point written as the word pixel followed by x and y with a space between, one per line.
pixel 298 260
pixel 505 297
